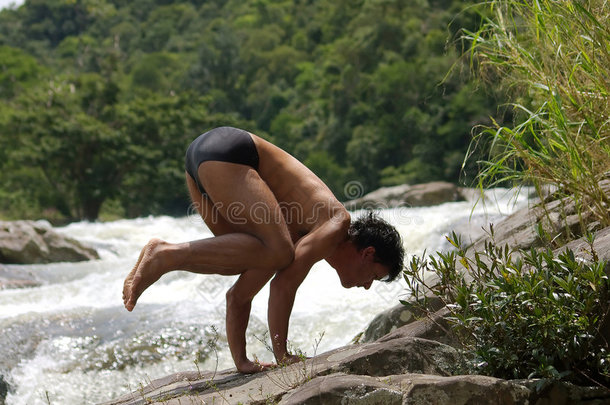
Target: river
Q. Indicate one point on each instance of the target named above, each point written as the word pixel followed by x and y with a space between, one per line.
pixel 70 341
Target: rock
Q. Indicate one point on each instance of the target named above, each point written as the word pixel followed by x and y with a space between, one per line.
pixel 29 242
pixel 412 389
pixel 518 230
pixel 564 393
pixel 395 317
pixel 344 389
pixel 338 388
pixel 433 327
pixel 420 195
pixel 358 375
pixel 401 355
pixel 438 192
pixel 471 194
pixel 459 390
pixel 385 197
pixel 601 246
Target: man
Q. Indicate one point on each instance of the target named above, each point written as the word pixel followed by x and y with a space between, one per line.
pixel 272 218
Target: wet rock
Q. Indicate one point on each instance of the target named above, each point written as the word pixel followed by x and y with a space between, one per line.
pixel 29 242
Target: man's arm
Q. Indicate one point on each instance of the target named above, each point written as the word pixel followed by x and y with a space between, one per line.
pixel 239 303
pixel 310 249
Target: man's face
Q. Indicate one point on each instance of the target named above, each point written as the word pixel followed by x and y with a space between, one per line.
pixel 364 272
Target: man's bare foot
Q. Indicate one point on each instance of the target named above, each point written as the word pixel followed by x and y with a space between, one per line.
pixel 251 367
pixel 291 359
pixel 147 270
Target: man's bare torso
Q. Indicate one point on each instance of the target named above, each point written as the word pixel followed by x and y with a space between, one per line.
pixel 305 200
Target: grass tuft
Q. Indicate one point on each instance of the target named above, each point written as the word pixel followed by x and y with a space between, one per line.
pixel 553 57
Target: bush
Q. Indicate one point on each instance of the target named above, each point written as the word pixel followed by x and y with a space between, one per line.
pixel 522 314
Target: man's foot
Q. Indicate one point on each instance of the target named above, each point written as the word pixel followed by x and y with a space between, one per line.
pixel 147 270
pixel 251 367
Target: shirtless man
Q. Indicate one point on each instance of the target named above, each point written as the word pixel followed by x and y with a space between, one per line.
pixel 272 218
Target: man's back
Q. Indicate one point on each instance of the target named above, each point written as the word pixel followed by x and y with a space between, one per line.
pixel 305 200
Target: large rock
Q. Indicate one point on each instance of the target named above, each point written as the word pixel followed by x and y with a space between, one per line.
pixel 412 389
pixel 29 242
pixel 395 317
pixel 564 393
pixel 344 389
pixel 420 195
pixel 397 356
pixel 406 355
pixel 432 327
pixel 460 390
pixel 339 388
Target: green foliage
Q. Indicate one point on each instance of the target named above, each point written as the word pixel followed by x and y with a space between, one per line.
pixel 523 314
pixel 351 87
pixel 17 69
pixel 554 56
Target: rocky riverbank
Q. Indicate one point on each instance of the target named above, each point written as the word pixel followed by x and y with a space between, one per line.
pixel 33 242
pixel 401 358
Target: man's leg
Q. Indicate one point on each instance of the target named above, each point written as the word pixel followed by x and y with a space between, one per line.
pixel 256 244
pixel 207 210
pixel 260 239
pixel 238 300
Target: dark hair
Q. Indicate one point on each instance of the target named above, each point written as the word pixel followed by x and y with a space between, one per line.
pixel 370 230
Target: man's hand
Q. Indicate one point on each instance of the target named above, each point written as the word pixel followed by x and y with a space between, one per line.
pixel 251 367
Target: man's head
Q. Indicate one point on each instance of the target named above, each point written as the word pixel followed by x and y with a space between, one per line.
pixel 369 230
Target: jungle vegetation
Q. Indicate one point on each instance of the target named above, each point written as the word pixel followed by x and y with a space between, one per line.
pixel 100 98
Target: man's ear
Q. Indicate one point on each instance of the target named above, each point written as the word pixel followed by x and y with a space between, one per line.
pixel 368 251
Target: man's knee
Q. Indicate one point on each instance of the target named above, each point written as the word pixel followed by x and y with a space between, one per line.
pixel 281 254
pixel 234 299
pixel 285 258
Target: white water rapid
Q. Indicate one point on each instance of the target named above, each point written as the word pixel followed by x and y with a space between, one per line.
pixel 70 341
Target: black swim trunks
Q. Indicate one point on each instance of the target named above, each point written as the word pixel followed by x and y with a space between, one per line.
pixel 224 144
